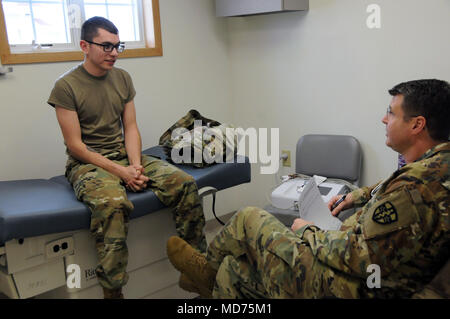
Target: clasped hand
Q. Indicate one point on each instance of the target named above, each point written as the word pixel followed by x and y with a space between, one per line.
pixel 134 178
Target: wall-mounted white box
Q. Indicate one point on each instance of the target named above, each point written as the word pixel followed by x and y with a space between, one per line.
pixel 231 8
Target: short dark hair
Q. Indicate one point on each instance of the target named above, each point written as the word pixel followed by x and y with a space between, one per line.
pixel 429 98
pixel 89 29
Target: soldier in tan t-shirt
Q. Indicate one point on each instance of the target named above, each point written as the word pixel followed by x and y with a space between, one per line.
pixel 95 110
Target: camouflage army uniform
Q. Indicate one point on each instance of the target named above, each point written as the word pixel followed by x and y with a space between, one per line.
pixel 403 227
pixel 105 195
pixel 198 141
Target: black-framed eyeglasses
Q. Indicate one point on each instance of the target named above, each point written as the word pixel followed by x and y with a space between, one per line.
pixel 109 47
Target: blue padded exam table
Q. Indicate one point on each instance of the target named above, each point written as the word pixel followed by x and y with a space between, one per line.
pixel 44 229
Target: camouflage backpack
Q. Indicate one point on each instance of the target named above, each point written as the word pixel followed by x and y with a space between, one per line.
pixel 198 141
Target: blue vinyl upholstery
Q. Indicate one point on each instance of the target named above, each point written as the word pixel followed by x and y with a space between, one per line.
pixel 38 206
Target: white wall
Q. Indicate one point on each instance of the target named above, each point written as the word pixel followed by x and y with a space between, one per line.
pixel 324 71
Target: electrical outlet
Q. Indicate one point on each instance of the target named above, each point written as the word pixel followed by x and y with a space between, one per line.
pixel 60 247
pixel 287 161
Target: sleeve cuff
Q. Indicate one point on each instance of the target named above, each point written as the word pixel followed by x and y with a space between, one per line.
pixel 301 231
pixel 359 196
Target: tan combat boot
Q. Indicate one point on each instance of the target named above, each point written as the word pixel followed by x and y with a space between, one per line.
pixel 112 293
pixel 193 264
pixel 187 284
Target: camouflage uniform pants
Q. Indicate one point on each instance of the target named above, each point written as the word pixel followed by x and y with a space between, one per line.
pixel 105 195
pixel 258 257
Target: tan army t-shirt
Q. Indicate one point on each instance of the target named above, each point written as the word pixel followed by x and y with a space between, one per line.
pixel 99 103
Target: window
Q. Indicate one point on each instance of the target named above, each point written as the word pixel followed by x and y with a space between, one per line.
pixel 49 30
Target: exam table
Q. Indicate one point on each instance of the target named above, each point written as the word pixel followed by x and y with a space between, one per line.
pixel 47 251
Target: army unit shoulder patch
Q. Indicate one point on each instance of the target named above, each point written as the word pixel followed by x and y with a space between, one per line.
pixel 389 213
pixel 385 214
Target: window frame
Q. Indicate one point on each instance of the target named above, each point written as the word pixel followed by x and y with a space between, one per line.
pixel 152 31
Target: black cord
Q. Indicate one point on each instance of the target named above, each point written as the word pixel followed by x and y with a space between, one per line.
pixel 214 209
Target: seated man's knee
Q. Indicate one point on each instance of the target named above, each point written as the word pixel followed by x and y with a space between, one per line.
pixel 251 220
pixel 186 178
pixel 177 179
pixel 120 203
pixel 111 201
pixel 251 213
pixel 110 217
pixel 186 184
